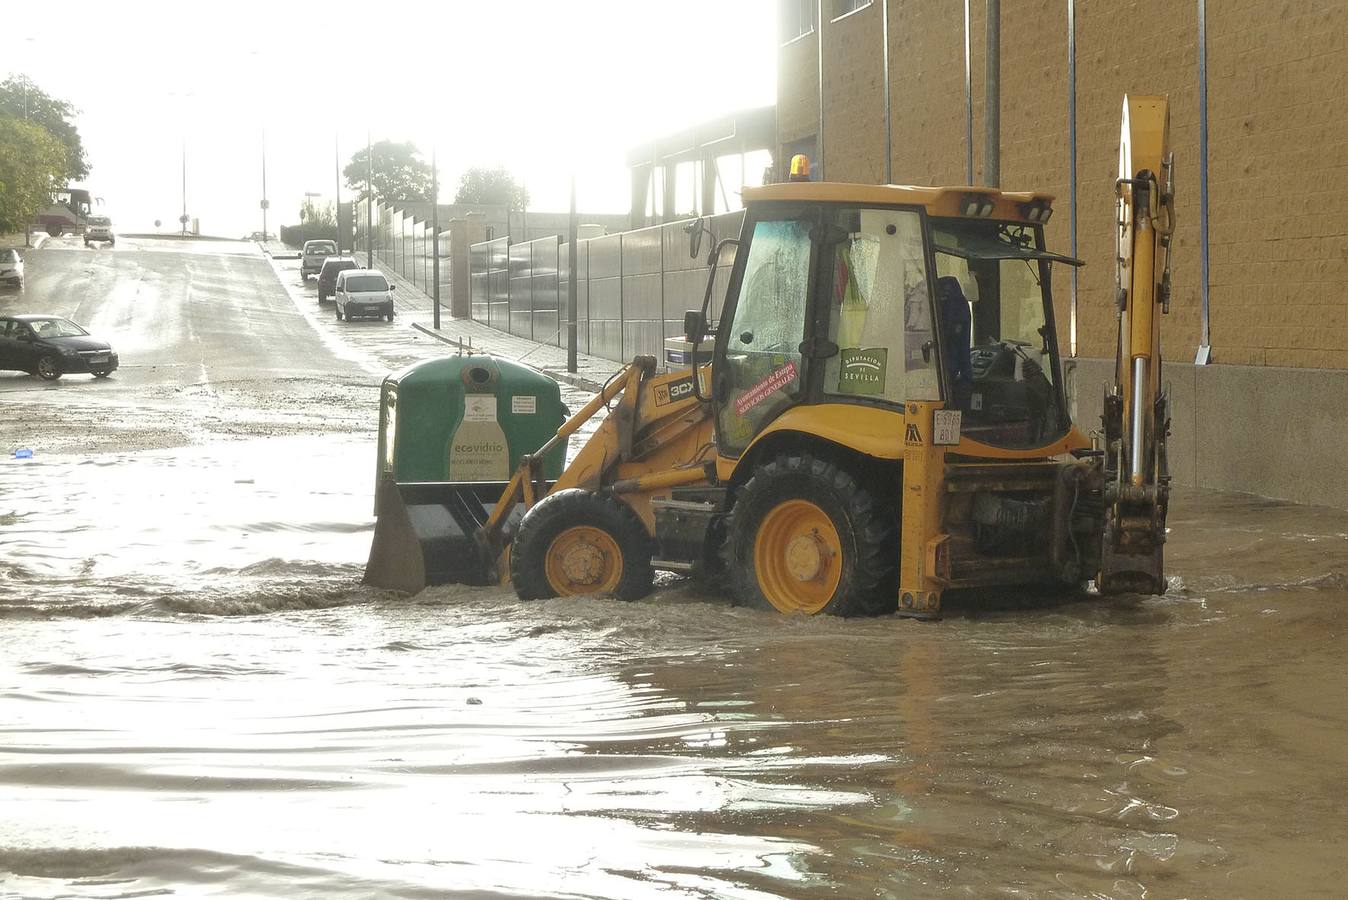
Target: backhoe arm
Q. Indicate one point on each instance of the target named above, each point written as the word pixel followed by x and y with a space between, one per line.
pixel 1136 416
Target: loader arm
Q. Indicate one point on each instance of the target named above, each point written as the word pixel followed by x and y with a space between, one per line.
pixel 1136 409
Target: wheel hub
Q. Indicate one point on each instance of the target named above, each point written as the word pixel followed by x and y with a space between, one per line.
pixel 583 559
pixel 806 556
pixel 583 563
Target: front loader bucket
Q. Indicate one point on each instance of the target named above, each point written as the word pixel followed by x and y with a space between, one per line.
pixel 427 532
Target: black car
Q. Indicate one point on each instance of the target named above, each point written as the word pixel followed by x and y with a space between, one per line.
pixel 327 275
pixel 50 346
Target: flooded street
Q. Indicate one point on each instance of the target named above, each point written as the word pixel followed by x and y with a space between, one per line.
pixel 199 698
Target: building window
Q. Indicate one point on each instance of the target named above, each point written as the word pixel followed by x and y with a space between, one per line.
pixel 796 18
pixel 847 7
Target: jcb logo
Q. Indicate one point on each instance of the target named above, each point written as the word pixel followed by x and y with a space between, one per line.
pixel 913 436
pixel 673 392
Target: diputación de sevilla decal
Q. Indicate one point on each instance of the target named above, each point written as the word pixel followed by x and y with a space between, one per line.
pixel 765 388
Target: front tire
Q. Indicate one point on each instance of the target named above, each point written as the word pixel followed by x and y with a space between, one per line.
pixel 338 308
pixel 49 368
pixel 577 542
pixel 805 538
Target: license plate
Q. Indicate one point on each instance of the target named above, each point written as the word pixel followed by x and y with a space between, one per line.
pixel 99 359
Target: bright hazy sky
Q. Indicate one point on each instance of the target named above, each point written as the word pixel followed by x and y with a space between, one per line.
pixel 485 83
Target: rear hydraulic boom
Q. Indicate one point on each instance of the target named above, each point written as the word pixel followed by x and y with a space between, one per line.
pixel 1136 415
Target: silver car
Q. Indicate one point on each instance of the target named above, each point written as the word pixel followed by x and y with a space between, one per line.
pixel 312 256
pixel 99 228
pixel 11 268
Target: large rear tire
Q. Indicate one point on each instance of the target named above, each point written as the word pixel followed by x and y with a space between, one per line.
pixel 805 538
pixel 578 542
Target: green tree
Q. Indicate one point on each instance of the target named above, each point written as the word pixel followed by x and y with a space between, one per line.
pixel 398 173
pixel 32 163
pixel 25 101
pixel 497 186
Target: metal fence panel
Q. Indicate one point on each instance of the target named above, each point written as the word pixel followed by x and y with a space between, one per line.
pixel 498 283
pixel 643 292
pixel 521 293
pixel 544 285
pixel 605 307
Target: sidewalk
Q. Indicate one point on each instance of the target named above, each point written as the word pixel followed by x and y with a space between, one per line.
pixel 416 306
pixel 15 240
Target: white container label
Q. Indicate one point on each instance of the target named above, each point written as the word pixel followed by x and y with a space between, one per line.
pixel 524 406
pixel 479 408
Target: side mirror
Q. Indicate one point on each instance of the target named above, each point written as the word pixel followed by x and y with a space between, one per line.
pixel 694 231
pixel 694 325
pixel 392 286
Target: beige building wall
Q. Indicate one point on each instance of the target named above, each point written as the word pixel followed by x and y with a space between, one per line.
pixel 1278 175
pixel 1278 191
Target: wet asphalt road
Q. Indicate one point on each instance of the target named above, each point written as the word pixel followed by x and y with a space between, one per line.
pixel 215 340
pixel 177 312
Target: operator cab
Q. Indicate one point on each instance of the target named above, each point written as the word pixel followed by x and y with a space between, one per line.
pixel 1000 352
pixel 903 294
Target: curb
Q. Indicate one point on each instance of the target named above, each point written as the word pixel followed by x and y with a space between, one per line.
pixel 571 378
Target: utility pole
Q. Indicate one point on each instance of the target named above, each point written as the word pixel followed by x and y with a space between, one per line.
pixel 992 102
pixel 572 280
pixel 435 240
pixel 337 171
pixel 369 203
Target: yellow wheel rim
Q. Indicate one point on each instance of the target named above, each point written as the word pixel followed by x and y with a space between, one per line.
pixel 797 557
pixel 583 560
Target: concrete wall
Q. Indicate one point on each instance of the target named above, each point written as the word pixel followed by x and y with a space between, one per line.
pixel 1260 429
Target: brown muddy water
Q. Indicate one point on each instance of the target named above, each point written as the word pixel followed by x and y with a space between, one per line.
pixel 197 698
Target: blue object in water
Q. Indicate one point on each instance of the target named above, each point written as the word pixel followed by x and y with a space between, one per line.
pixel 23 453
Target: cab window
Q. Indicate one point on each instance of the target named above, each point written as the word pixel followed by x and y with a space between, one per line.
pixel 762 370
pixel 998 345
pixel 879 309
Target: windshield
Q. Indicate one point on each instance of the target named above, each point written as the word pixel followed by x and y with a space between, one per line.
pixel 9 256
pixel 53 328
pixel 321 249
pixel 361 283
pixel 997 341
pixel 99 220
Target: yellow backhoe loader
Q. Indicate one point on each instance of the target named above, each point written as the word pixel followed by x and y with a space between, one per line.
pixel 882 419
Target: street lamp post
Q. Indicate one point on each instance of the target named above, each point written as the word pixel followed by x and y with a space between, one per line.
pixel 265 205
pixel 435 238
pixel 183 218
pixel 369 203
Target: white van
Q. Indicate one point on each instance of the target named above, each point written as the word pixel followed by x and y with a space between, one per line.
pixel 363 292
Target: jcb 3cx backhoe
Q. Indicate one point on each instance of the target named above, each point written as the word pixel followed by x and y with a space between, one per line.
pixel 882 419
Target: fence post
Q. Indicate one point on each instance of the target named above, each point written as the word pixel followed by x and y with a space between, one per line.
pixel 571 282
